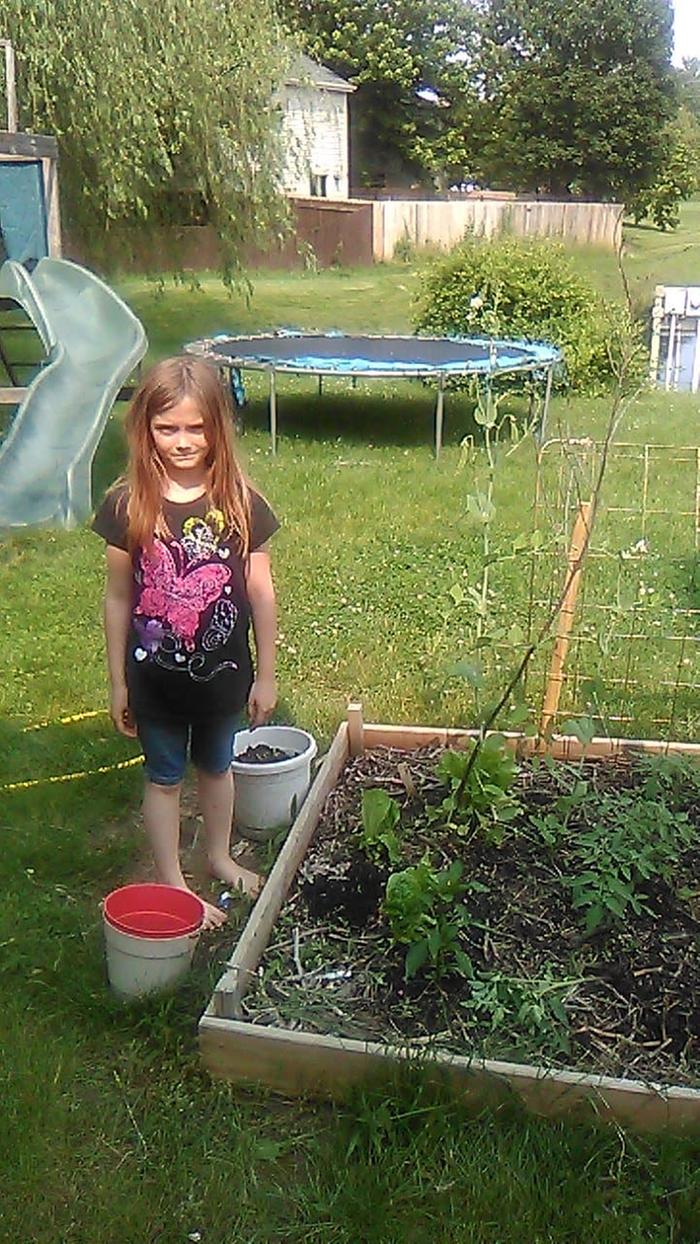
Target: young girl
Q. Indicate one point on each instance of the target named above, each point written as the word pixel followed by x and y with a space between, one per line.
pixel 187 568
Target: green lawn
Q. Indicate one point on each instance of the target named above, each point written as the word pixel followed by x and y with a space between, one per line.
pixel 111 1131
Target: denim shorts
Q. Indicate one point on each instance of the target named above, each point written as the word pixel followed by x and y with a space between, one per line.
pixel 166 745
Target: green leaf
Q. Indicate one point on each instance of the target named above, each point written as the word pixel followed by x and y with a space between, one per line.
pixel 471 669
pixel 379 812
pixel 453 763
pixel 594 915
pixel 558 1010
pixel 519 715
pixel 454 872
pixel 480 507
pixel 616 905
pixel 416 956
pixel 463 963
pixel 581 728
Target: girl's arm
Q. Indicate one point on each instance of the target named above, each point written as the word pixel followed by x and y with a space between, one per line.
pixel 117 613
pixel 263 608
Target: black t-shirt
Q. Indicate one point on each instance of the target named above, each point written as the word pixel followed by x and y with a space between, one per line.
pixel 188 652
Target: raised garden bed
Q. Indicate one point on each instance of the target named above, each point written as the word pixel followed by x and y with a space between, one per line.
pixel 561 979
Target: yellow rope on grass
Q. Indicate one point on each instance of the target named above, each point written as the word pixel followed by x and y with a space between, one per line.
pixel 71 777
pixel 64 721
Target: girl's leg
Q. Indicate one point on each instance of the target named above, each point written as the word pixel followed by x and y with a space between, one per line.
pixel 161 818
pixel 165 752
pixel 212 750
pixel 216 806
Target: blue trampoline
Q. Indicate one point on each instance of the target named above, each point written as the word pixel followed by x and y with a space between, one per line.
pixel 338 354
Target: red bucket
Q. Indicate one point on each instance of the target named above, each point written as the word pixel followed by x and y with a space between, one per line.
pixel 153 910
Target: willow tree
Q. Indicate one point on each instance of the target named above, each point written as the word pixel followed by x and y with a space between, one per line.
pixel 156 103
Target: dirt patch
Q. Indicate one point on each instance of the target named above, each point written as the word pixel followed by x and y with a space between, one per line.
pixel 262 754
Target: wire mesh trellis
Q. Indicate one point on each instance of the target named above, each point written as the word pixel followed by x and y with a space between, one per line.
pixel 632 661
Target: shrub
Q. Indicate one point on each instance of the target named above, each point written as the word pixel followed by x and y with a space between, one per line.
pixel 524 290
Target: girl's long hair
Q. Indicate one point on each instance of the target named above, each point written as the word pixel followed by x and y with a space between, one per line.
pixel 163 387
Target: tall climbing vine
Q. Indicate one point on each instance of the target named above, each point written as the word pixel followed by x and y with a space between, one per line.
pixel 159 107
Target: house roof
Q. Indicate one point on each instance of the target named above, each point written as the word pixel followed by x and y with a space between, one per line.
pixel 303 70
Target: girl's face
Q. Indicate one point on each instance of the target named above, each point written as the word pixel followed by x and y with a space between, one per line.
pixel 180 438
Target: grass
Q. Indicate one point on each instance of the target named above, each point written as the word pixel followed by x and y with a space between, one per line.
pixel 111 1132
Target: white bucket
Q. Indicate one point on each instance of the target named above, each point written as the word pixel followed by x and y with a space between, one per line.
pixel 141 965
pixel 268 796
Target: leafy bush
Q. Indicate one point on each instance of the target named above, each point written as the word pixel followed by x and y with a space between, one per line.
pixel 524 290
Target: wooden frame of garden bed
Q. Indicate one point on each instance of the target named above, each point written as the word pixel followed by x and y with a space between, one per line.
pixel 297 1063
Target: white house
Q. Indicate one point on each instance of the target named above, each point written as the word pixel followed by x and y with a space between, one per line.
pixel 315 120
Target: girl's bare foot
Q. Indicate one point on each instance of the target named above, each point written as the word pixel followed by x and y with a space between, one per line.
pixel 213 916
pixel 249 883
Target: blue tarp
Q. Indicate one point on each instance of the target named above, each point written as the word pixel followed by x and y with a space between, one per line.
pixel 23 211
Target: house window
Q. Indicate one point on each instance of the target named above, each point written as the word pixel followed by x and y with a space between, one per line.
pixel 319 185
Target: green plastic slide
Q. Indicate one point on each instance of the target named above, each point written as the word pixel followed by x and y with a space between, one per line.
pixel 93 342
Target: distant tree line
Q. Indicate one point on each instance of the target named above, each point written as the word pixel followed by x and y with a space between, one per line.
pixel 537 96
pixel 160 103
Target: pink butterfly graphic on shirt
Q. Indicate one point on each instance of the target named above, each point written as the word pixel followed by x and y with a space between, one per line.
pixel 176 596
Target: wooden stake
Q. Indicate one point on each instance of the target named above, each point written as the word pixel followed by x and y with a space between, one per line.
pixel 10 86
pixel 566 619
pixel 356 730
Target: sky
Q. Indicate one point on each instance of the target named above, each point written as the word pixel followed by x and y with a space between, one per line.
pixel 687 29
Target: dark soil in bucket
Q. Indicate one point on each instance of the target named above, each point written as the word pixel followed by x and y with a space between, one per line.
pixel 263 754
pixel 568 935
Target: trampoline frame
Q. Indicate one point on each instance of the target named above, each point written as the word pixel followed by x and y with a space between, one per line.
pixel 205 347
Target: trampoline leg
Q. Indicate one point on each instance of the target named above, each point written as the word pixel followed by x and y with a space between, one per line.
pixel 320 386
pixel 545 405
pixel 439 417
pixel 273 411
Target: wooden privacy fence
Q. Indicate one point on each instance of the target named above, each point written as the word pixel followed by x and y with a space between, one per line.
pixel 355 232
pixel 442 224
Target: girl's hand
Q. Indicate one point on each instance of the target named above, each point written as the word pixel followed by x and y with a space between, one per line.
pixel 121 714
pixel 261 701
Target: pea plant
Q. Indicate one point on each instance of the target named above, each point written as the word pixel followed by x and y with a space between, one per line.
pixel 625 352
pixel 502 434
